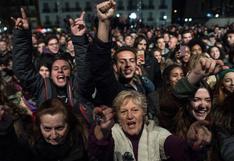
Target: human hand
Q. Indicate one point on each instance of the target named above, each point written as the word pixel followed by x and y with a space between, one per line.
pixel 198 135
pixel 138 70
pixel 2 112
pixel 78 27
pixel 208 66
pixel 106 10
pixel 104 116
pixel 21 22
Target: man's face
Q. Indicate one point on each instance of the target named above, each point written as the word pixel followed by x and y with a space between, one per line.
pixel 126 64
pixel 53 128
pixel 230 39
pixel 59 72
pixel 201 104
pixel 187 37
pixel 161 44
pixel 3 46
pixel 53 46
pixel 128 41
pixel 172 43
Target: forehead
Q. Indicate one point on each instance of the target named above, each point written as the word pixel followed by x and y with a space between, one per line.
pixel 229 75
pixel 125 55
pixel 157 52
pixel 196 46
pixel 128 104
pixel 52 120
pixel 53 40
pixel 231 35
pixel 176 69
pixel 202 92
pixel 142 41
pixel 60 62
pixel 187 34
pixel 160 40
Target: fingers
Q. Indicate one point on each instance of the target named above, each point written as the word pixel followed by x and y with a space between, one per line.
pixel 71 21
pixel 23 13
pixel 199 134
pixel 210 66
pixel 82 15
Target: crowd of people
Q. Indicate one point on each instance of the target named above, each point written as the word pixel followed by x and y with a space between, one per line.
pixel 152 93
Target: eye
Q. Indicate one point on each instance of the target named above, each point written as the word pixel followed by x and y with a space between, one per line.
pixel 55 68
pixel 47 129
pixel 60 128
pixel 123 111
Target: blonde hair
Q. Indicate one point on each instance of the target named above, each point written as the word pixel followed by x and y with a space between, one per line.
pixel 136 97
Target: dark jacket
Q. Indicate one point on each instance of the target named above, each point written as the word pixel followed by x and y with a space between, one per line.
pixel 79 87
pixel 105 81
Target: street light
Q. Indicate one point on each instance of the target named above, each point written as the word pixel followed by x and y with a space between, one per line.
pixel 133 16
pixel 117 15
pixel 216 15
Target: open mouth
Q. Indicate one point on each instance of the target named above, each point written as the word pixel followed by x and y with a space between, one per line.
pixel 201 112
pixel 128 71
pixel 131 124
pixel 61 78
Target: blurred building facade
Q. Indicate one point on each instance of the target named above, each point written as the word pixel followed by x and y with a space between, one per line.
pixel 151 12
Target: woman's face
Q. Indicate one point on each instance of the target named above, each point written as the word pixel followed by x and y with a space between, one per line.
pixel 228 82
pixel 196 49
pixel 201 104
pixel 158 56
pixel 186 55
pixel 44 72
pixel 175 75
pixel 131 117
pixel 142 45
pixel 215 53
pixel 53 128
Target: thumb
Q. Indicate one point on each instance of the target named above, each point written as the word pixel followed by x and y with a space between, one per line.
pixel 71 21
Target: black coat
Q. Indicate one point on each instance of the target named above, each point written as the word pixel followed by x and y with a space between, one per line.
pixel 78 91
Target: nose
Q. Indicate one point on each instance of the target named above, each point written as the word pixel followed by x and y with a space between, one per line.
pixel 129 115
pixel 60 70
pixel 53 134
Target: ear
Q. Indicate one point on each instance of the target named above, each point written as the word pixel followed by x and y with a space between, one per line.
pixel 115 68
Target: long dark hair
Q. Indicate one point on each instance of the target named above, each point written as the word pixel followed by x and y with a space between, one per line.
pixel 224 114
pixel 184 118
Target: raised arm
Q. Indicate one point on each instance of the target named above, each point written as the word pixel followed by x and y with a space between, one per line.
pixel 83 78
pixel 202 68
pixel 22 55
pixel 100 56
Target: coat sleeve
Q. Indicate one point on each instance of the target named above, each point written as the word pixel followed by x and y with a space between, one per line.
pixel 12 147
pixel 84 83
pixel 102 150
pixel 23 66
pixel 184 89
pixel 103 73
pixel 225 144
